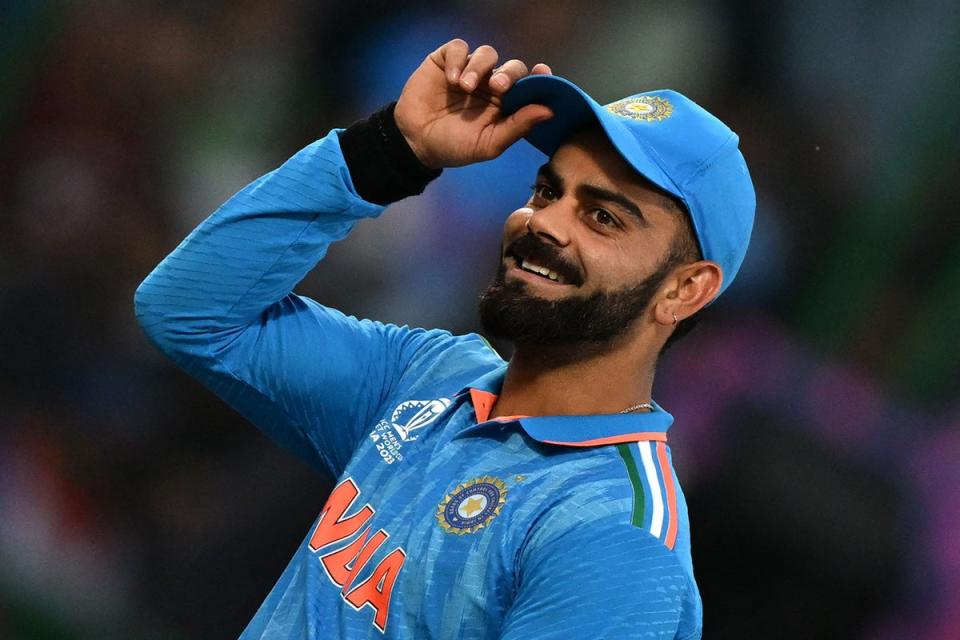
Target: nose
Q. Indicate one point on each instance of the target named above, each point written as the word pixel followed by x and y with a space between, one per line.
pixel 549 223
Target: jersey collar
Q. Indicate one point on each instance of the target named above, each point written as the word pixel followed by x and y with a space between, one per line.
pixel 571 431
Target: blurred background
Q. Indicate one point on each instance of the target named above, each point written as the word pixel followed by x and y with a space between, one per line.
pixel 817 425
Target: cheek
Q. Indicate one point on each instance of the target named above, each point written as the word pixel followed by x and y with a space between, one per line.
pixel 605 265
pixel 614 264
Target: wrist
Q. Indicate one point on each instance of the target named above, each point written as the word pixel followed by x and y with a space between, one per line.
pixel 407 132
pixel 383 165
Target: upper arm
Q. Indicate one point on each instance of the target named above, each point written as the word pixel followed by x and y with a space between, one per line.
pixel 314 379
pixel 220 305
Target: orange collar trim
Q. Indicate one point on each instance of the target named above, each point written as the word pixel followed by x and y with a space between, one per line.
pixel 484 401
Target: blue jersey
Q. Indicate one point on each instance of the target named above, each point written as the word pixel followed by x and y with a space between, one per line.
pixel 442 523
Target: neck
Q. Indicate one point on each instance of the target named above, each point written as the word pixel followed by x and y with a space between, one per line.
pixel 564 381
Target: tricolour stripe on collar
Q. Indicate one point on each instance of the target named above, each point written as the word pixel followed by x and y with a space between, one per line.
pixel 654 491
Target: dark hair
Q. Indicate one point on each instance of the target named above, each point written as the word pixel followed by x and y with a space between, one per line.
pixel 686 249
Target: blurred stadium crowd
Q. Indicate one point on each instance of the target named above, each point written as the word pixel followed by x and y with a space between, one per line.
pixel 818 421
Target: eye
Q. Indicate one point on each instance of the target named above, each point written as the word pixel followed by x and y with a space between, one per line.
pixel 543 191
pixel 604 218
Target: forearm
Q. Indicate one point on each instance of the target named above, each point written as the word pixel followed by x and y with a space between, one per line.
pixel 252 251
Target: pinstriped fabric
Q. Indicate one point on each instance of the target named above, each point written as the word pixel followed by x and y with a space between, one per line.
pixel 552 605
pixel 565 543
pixel 220 306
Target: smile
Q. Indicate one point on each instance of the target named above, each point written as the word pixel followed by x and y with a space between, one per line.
pixel 529 271
pixel 531 260
pixel 534 268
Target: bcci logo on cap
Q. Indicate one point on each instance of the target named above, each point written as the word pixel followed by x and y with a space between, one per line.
pixel 645 108
pixel 416 414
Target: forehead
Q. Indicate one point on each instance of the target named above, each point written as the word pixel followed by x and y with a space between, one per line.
pixel 588 156
pixel 590 152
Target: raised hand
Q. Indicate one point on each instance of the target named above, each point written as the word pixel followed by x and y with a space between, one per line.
pixel 449 110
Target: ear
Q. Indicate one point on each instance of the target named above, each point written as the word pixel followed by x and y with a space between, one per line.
pixel 689 289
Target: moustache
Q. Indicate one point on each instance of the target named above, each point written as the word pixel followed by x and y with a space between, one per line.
pixel 529 247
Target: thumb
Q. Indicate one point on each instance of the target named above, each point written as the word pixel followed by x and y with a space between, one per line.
pixel 518 124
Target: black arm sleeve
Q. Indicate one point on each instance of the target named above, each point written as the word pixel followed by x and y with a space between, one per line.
pixel 382 165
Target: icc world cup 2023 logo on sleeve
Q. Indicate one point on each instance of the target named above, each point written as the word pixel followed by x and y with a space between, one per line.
pixel 412 415
pixel 409 417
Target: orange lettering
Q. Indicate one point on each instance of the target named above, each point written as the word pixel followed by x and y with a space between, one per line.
pixel 342 565
pixel 376 589
pixel 337 562
pixel 333 526
pixel 364 557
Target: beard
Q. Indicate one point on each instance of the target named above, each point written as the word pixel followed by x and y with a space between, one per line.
pixel 510 312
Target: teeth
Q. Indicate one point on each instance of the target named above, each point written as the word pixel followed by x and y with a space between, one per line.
pixel 543 271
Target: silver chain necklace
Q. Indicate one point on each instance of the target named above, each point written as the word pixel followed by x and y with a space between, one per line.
pixel 642 405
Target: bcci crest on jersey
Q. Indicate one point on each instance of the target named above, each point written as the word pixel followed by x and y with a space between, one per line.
pixel 408 417
pixel 472 505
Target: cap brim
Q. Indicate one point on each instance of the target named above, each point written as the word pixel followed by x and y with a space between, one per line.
pixel 573 109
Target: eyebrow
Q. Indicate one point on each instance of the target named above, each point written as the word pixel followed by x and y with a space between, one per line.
pixel 593 191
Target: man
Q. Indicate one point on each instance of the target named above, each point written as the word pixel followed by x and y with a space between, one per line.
pixel 476 498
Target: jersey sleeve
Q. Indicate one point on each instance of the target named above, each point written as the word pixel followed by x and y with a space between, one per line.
pixel 598 578
pixel 221 306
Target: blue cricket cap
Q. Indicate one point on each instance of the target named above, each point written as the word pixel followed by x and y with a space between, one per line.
pixel 669 139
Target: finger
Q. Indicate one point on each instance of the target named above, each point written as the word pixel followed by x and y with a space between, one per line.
pixel 506 74
pixel 454 59
pixel 479 64
pixel 541 69
pixel 518 125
